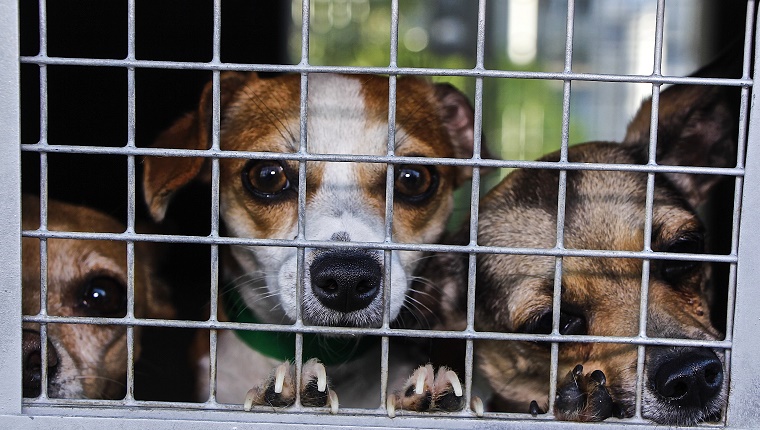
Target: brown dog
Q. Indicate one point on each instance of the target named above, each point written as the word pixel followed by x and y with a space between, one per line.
pixel 345 201
pixel 84 278
pixel 605 210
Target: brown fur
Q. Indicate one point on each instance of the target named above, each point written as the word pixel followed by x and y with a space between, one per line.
pixel 347 114
pixel 605 210
pixel 95 355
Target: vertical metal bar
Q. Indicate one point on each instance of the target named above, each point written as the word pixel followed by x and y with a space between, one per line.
pixel 390 176
pixel 10 212
pixel 43 198
pixel 740 154
pixel 214 250
pixel 561 203
pixel 474 202
pixel 649 205
pixel 303 150
pixel 131 187
pixel 743 407
pixel 739 184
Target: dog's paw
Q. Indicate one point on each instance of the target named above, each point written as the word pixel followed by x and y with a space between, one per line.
pixel 279 390
pixel 583 397
pixel 428 391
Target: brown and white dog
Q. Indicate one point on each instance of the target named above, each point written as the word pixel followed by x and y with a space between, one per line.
pixel 84 278
pixel 605 210
pixel 345 201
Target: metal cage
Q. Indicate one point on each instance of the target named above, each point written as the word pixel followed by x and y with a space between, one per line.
pixel 743 410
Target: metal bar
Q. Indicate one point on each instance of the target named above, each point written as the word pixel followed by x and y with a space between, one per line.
pixel 739 185
pixel 214 233
pixel 474 205
pixel 561 204
pixel 649 206
pixel 43 197
pixel 743 408
pixel 303 148
pixel 551 252
pixel 390 177
pixel 307 68
pixel 511 164
pixel 131 204
pixel 187 418
pixel 442 334
pixel 10 211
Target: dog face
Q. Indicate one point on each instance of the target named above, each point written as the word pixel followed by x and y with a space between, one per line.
pixel 84 278
pixel 344 201
pixel 605 210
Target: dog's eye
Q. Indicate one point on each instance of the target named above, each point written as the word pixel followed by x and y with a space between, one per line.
pixel 569 323
pixel 103 296
pixel 415 183
pixel 673 271
pixel 265 178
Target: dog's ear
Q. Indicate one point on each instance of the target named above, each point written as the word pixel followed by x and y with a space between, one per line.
pixel 458 117
pixel 697 126
pixel 163 176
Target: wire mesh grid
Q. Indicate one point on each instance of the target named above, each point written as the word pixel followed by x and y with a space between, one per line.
pixel 215 413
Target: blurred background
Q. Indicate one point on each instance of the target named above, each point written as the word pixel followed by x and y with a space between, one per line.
pixel 523 118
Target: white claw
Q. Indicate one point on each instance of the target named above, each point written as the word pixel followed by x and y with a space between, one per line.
pixel 390 405
pixel 420 386
pixel 279 379
pixel 321 377
pixel 477 406
pixel 455 384
pixel 249 399
pixel 333 400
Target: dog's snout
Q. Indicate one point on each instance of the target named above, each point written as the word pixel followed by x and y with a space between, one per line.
pixel 32 362
pixel 345 281
pixel 690 379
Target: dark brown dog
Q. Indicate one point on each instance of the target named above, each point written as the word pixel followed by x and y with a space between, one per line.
pixel 605 210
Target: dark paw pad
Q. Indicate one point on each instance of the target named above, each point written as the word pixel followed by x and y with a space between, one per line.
pixel 427 391
pixel 583 397
pixel 279 390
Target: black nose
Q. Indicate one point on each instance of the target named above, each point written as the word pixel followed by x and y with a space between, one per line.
pixel 32 364
pixel 690 379
pixel 345 281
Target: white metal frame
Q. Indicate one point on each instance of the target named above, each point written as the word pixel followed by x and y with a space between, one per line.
pixel 741 343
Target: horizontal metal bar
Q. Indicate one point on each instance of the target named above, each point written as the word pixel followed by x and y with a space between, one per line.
pixel 478 249
pixel 509 164
pixel 368 331
pixel 224 410
pixel 301 68
pixel 153 415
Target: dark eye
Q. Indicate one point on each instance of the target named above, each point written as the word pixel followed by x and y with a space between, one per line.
pixel 415 183
pixel 265 178
pixel 674 271
pixel 103 296
pixel 569 323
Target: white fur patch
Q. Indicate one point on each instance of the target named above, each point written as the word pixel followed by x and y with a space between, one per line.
pixel 337 123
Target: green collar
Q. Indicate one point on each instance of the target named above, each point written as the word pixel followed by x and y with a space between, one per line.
pixel 282 345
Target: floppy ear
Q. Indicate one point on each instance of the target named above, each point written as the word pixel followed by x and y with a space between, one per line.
pixel 698 125
pixel 163 176
pixel 458 117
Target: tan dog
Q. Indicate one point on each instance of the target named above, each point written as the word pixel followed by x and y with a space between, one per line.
pixel 605 210
pixel 84 278
pixel 344 202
